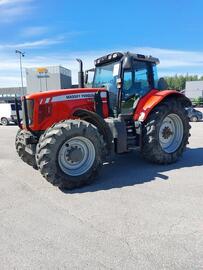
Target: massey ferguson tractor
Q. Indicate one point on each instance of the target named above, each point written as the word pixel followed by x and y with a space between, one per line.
pixel 68 134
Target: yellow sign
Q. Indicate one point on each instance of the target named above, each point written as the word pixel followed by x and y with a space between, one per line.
pixel 42 70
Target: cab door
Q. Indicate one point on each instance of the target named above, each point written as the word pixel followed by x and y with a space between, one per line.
pixel 136 84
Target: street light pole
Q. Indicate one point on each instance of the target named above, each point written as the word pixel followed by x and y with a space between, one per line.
pixel 21 54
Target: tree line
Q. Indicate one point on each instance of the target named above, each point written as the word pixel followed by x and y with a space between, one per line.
pixel 178 82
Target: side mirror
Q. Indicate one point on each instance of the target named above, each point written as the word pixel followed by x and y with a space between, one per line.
pixel 86 76
pixel 162 84
pixel 119 83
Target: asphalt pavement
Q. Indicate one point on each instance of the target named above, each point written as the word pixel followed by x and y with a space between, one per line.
pixel 135 216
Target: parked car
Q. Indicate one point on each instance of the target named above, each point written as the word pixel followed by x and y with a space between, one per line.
pixel 194 114
pixel 8 113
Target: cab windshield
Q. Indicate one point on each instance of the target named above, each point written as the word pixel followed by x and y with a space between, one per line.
pixel 106 76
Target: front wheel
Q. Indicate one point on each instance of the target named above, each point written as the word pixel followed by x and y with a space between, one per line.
pixel 20 148
pixel 165 133
pixel 69 154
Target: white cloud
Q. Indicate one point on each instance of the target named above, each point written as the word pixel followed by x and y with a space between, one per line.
pixel 34 31
pixel 11 10
pixel 11 2
pixel 174 58
pixel 14 81
pixel 172 62
pixel 32 44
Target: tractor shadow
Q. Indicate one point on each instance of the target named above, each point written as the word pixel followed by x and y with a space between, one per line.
pixel 130 169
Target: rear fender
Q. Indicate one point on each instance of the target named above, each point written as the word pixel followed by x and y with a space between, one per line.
pixel 155 97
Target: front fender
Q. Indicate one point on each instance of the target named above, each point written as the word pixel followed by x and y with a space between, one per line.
pixel 98 122
pixel 148 102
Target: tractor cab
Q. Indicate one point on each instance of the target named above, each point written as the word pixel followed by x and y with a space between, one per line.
pixel 127 77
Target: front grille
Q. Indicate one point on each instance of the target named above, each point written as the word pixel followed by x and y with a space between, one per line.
pixel 27 110
pixel 23 114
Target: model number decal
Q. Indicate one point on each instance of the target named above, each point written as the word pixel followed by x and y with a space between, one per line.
pixel 75 96
pixel 78 96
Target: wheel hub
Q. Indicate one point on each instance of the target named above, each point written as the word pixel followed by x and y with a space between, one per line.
pixel 74 155
pixel 167 132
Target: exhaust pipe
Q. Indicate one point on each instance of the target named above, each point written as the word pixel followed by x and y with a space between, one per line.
pixel 80 74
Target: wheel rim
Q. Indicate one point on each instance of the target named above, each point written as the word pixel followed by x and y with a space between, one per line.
pixel 194 119
pixel 171 133
pixel 76 156
pixel 4 122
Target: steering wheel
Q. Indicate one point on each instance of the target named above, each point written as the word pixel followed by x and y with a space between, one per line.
pixel 129 97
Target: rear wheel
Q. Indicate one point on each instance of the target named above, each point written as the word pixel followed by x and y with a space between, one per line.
pixel 4 121
pixel 20 148
pixel 69 154
pixel 165 133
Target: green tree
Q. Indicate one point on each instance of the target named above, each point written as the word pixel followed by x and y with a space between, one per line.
pixel 178 82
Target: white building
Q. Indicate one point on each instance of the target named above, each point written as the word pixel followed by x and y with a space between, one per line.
pixel 194 89
pixel 47 78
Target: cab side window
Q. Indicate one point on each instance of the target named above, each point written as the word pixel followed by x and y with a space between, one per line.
pixel 128 92
pixel 136 83
pixel 127 80
pixel 141 83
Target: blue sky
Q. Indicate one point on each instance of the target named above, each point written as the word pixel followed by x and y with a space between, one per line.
pixel 56 32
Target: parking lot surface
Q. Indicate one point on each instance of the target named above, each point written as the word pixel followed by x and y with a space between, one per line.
pixel 135 216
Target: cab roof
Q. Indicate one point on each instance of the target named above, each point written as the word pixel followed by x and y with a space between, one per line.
pixel 116 56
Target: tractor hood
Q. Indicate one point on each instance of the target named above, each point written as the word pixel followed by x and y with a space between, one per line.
pixel 65 94
pixel 54 106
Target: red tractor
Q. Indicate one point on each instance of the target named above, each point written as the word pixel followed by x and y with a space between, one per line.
pixel 68 134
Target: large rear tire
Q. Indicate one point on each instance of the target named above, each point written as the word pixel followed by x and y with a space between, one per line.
pixel 69 154
pixel 165 133
pixel 20 148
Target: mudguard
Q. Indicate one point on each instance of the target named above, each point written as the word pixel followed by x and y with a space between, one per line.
pixel 99 122
pixel 154 97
